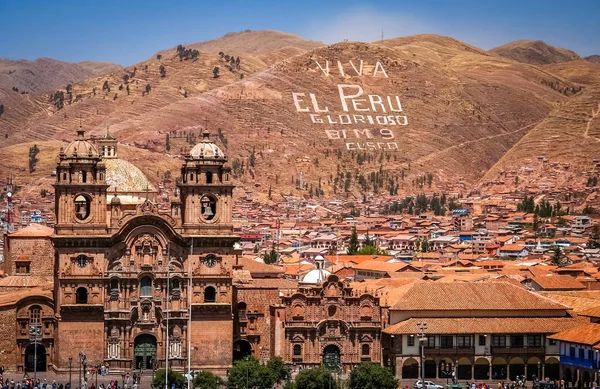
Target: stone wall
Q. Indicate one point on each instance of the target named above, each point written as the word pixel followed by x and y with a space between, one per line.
pixel 38 249
pixel 212 345
pixel 9 357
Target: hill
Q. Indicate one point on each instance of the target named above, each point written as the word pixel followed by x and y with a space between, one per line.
pixel 593 58
pixel 559 152
pixel 45 74
pixel 534 52
pixel 379 120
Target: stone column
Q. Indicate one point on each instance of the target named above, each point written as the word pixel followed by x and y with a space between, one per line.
pixel 490 372
pixel 525 368
pixel 473 371
pixel 508 371
pixel 543 372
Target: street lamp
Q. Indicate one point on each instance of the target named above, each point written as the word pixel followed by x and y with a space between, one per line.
pixel 422 326
pixel 70 365
pixel 446 369
pixel 82 363
pixel 35 335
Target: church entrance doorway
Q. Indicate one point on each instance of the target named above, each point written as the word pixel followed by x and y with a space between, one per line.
pixel 331 357
pixel 35 352
pixel 241 349
pixel 145 351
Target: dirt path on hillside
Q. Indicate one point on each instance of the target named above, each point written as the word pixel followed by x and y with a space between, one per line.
pixel 438 153
pixel 586 134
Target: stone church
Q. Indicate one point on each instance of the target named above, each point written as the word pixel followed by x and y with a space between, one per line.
pixel 129 282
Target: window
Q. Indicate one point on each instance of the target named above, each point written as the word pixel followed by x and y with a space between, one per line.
pixel 516 341
pixel 23 268
pixel 552 342
pixel 590 355
pixel 35 316
pixel 114 284
pixel 430 342
pixel 297 350
pixel 209 207
pixel 81 295
pixel 365 350
pixel 463 341
pixel 411 340
pixel 534 341
pixel 210 295
pixel 242 311
pixel 581 353
pixel 482 340
pixel 175 284
pixel 446 341
pixel 82 260
pixel 572 351
pixel 82 207
pixel 146 287
pixel 209 178
pixel 499 340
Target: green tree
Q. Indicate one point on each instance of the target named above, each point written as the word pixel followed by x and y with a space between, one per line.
pixel 33 152
pixel 158 57
pixel 353 246
pixel 424 245
pixel 594 239
pixel 279 369
pixel 368 375
pixel 557 258
pixel 1 109
pixel 315 378
pixel 163 71
pixel 167 143
pixel 249 373
pixel 216 72
pixel 148 88
pixel 270 257
pixel 207 380
pixel 536 223
pixel 126 78
pixel 158 380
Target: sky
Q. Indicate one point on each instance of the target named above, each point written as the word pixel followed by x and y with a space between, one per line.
pixel 127 32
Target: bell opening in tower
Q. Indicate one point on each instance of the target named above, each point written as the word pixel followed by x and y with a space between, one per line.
pixel 209 207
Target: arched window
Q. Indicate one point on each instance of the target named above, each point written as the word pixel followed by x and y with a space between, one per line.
pixel 114 284
pixel 366 350
pixel 82 207
pixel 82 260
pixel 210 295
pixel 297 350
pixel 146 287
pixel 209 178
pixel 175 284
pixel 209 207
pixel 242 311
pixel 35 315
pixel 81 295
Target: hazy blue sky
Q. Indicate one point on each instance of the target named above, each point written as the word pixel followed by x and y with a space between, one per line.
pixel 127 32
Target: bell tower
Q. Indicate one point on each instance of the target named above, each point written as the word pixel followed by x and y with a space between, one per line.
pixel 206 190
pixel 80 189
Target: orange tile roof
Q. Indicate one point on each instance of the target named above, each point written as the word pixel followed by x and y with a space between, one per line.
pixel 558 282
pixel 432 296
pixel 585 334
pixel 490 325
pixel 357 258
pixel 33 230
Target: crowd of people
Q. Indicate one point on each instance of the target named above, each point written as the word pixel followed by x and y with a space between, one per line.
pixel 128 382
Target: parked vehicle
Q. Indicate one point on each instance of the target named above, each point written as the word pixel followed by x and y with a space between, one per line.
pixel 428 385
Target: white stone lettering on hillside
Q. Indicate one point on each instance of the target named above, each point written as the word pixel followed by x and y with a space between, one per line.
pixel 370 118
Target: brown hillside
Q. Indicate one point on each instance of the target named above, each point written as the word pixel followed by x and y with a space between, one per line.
pixel 45 74
pixel 465 109
pixel 593 58
pixel 534 52
pixel 559 149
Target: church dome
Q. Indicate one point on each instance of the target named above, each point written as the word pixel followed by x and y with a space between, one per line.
pixel 81 147
pixel 123 176
pixel 207 149
pixel 315 276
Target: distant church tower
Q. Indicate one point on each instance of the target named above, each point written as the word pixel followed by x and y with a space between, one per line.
pixel 80 189
pixel 206 190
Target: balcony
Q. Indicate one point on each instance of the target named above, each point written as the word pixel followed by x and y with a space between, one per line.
pixel 447 351
pixel 573 361
pixel 503 350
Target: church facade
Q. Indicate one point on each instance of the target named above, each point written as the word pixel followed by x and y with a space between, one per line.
pixel 131 284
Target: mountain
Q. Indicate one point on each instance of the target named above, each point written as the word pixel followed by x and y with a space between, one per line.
pixel 462 109
pixel 45 74
pixel 593 58
pixel 556 151
pixel 534 52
